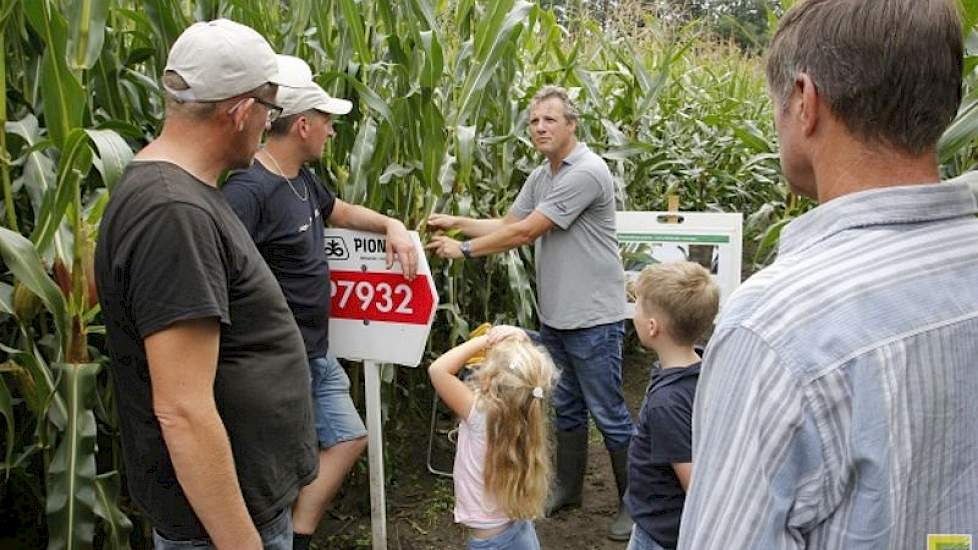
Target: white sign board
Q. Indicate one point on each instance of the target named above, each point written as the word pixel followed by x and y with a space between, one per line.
pixel 712 240
pixel 376 314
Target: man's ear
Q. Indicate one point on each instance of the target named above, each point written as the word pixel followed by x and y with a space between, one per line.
pixel 807 94
pixel 302 126
pixel 240 115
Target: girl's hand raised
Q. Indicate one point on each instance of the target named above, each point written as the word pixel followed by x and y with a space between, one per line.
pixel 502 332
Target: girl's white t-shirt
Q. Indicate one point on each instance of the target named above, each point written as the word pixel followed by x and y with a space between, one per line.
pixel 473 507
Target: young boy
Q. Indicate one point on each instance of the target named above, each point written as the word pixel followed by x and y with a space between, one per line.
pixel 675 306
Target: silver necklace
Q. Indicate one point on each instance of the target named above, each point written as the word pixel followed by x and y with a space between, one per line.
pixel 287 180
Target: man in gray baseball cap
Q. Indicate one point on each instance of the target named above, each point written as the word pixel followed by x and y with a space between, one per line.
pixel 206 359
pixel 283 206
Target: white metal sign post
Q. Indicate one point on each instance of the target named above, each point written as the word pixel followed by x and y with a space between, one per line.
pixel 375 456
pixel 713 240
pixel 376 316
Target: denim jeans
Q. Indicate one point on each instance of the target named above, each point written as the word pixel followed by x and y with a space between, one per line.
pixel 337 419
pixel 642 541
pixel 589 360
pixel 520 535
pixel 275 535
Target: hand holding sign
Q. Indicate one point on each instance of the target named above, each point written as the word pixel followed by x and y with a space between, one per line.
pixel 400 245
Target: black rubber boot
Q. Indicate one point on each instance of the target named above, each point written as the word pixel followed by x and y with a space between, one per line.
pixel 621 528
pixel 569 479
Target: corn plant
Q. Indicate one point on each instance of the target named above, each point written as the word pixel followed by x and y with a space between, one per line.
pixel 56 374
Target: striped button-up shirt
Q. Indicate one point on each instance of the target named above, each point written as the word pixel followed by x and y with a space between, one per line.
pixel 838 401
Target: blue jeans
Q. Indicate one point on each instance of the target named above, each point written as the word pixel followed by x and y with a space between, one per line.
pixel 642 541
pixel 589 360
pixel 337 419
pixel 275 535
pixel 520 535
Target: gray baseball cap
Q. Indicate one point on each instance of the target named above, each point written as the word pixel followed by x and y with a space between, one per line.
pixel 221 59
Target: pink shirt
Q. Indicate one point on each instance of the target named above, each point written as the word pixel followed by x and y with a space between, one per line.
pixel 473 507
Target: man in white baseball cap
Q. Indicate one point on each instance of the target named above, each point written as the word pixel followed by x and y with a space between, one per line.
pixel 207 361
pixel 284 205
pixel 221 59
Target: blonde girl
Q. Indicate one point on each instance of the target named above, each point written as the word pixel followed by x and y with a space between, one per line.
pixel 502 463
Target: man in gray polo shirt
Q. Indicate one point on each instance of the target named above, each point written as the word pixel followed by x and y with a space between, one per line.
pixel 567 207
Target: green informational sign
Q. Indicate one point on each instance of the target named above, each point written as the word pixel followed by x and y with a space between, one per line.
pixel 712 240
pixel 674 238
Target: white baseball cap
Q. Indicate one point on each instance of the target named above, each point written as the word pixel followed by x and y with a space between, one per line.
pixel 308 95
pixel 295 70
pixel 221 59
pixel 297 100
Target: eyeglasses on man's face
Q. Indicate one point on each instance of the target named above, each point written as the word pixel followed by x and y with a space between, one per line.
pixel 274 111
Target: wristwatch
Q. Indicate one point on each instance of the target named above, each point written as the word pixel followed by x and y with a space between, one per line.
pixel 466 247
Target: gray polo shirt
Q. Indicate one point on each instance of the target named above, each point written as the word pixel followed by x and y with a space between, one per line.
pixel 580 280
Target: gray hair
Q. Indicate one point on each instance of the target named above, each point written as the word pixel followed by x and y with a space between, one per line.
pixel 187 109
pixel 889 69
pixel 199 110
pixel 547 92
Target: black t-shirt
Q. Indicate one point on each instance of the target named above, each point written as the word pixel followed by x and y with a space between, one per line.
pixel 664 437
pixel 289 234
pixel 171 249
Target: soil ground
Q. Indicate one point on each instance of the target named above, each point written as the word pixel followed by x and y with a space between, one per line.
pixel 419 504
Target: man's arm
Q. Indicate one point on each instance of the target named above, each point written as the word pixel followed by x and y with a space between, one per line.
pixel 506 237
pixel 399 243
pixel 470 227
pixel 182 366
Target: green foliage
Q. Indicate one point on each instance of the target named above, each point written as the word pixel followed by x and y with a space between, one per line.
pixel 958 148
pixel 746 23
pixel 48 151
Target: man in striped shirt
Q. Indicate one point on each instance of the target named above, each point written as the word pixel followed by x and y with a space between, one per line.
pixel 838 402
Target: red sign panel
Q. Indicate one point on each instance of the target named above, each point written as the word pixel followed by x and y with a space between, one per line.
pixel 373 296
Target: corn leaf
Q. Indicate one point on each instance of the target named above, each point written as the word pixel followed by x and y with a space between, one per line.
pixel 87 34
pixel 114 520
pixel 70 505
pixel 7 411
pixel 64 97
pixel 113 155
pixel 76 160
pixel 22 259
